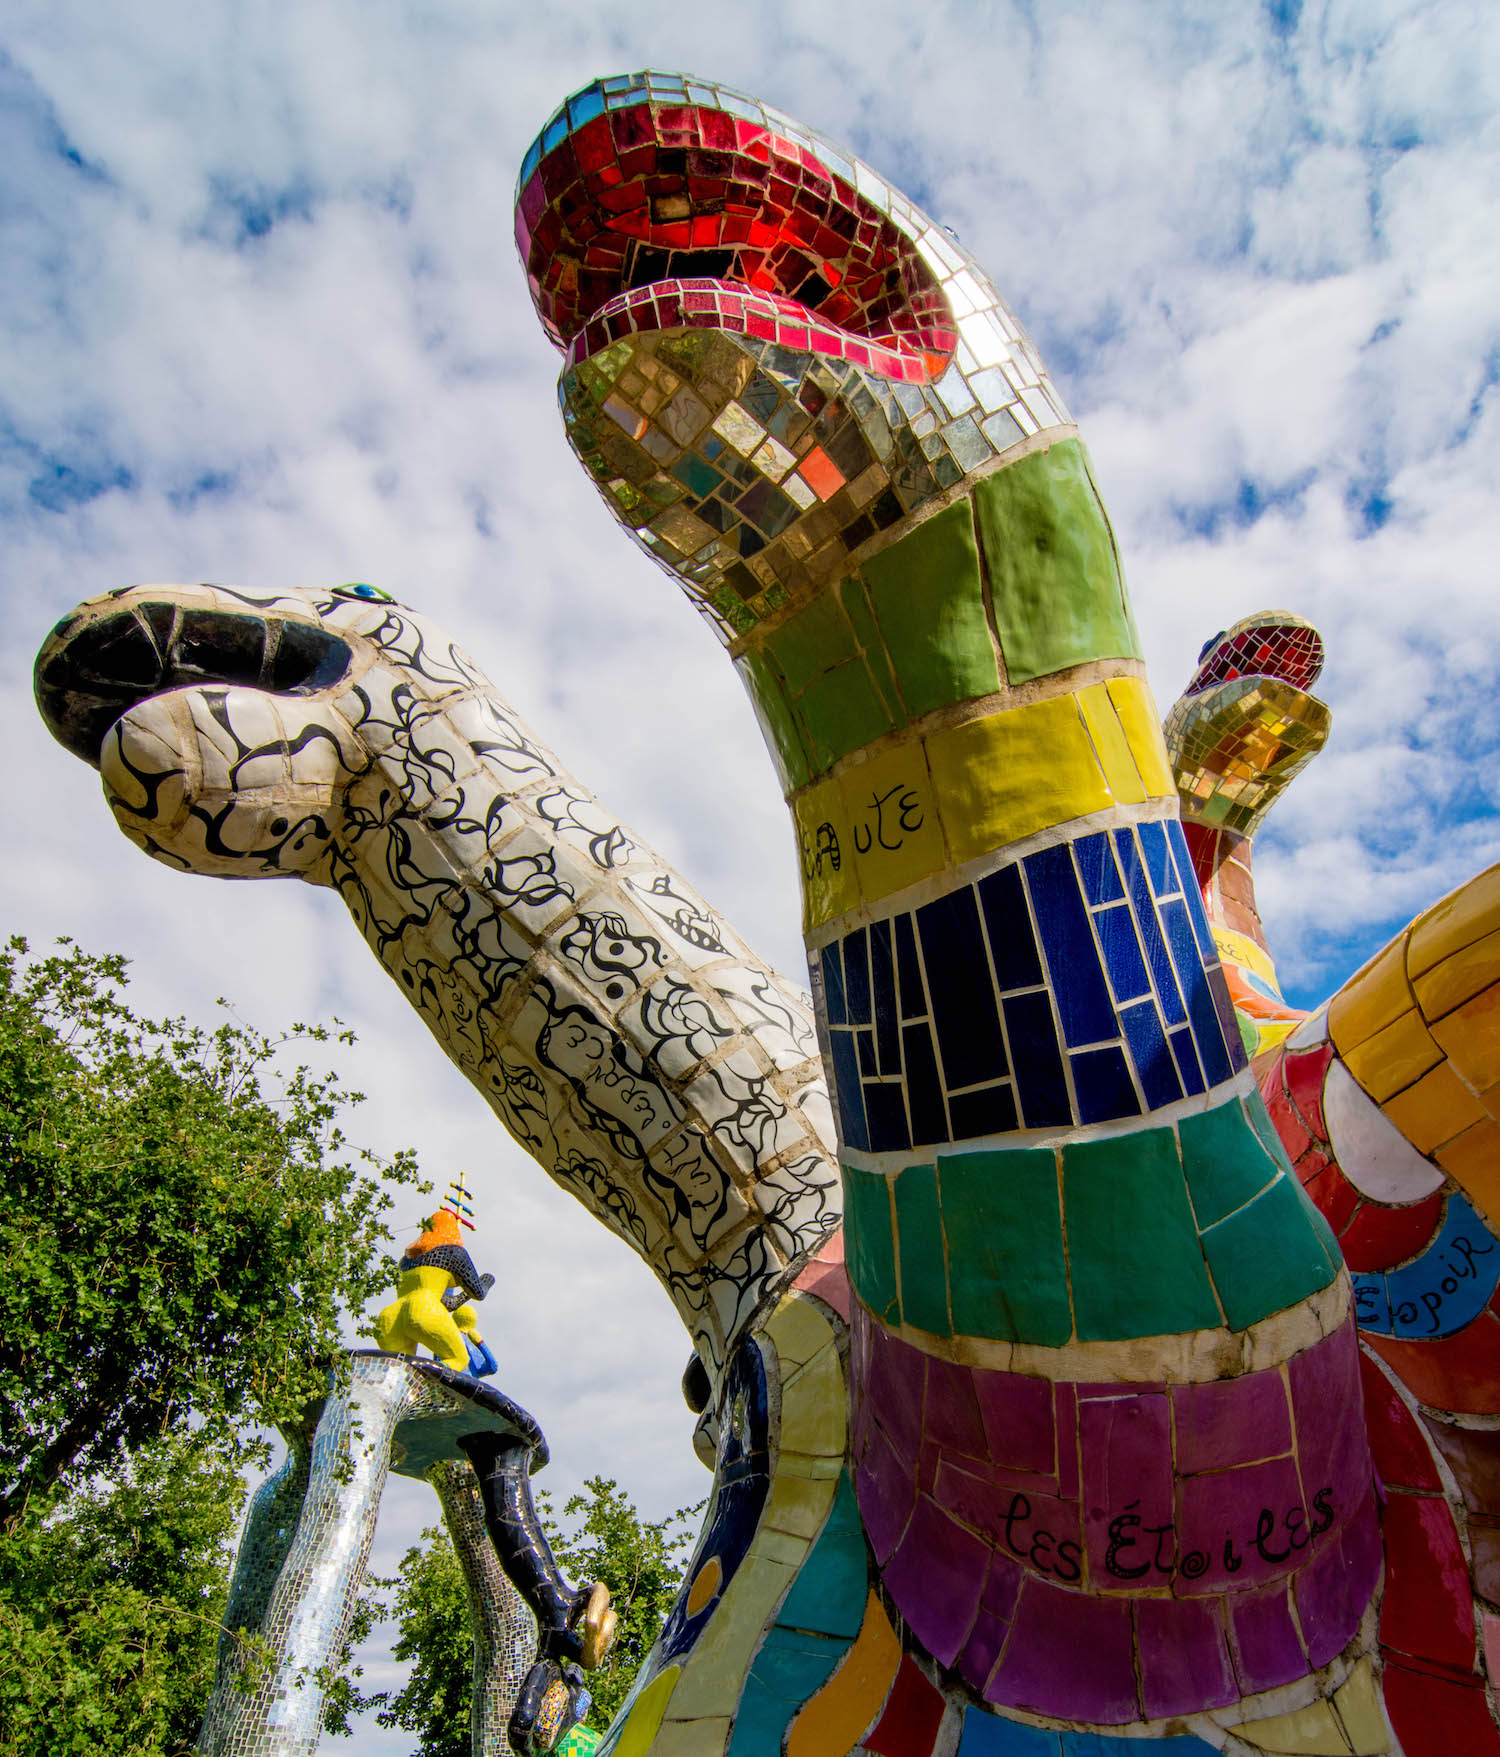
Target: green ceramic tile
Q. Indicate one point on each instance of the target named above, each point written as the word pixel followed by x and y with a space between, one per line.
pixel 829 1595
pixel 929 601
pixel 841 711
pixel 1225 1160
pixel 812 642
pixel 1268 1255
pixel 1008 1280
pixel 1055 579
pixel 1133 1253
pixel 919 1244
pixel 869 1246
pixel 777 723
pixel 862 620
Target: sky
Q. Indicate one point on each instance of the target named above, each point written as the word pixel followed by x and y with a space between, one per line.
pixel 262 323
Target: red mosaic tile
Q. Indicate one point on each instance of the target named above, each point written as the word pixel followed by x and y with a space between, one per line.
pixel 913 1714
pixel 1428 1608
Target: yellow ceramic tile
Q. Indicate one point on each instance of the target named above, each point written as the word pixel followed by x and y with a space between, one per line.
pixel 812 1414
pixel 1472 1160
pixel 1460 977
pixel 820 1469
pixel 1011 774
pixel 1396 1056
pixel 799 1504
pixel 704 1737
pixel 710 1681
pixel 1358 1703
pixel 830 882
pixel 1239 948
pixel 1111 746
pixel 639 1731
pixel 1472 912
pixel 1436 1109
pixel 1307 1732
pixel 780 1546
pixel 1138 715
pixel 895 835
pixel 1370 999
pixel 799 1330
pixel 833 1719
pixel 1471 1037
pixel 1272 1032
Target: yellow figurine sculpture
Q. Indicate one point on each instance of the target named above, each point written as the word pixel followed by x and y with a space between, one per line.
pixel 436 1272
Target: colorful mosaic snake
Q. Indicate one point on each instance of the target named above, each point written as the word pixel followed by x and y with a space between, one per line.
pixel 1079 1445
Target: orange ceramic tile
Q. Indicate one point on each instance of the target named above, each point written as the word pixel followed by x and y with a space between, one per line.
pixel 1469 914
pixel 1471 1037
pixel 1438 1107
pixel 1457 979
pixel 1472 1160
pixel 1461 1373
pixel 1371 999
pixel 1394 1057
pixel 834 1718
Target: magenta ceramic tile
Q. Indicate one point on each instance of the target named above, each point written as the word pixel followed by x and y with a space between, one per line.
pixel 1127 1490
pixel 1184 1656
pixel 1069 1655
pixel 1018 1421
pixel 1328 1403
pixel 885 1492
pixel 1234 1422
pixel 1238 1528
pixel 981 1650
pixel 953 1417
pixel 1334 1588
pixel 1040 1531
pixel 1263 1633
pixel 935 1578
pixel 896 1381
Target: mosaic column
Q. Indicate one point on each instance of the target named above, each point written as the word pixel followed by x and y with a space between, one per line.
pixel 307 1608
pixel 1107 1428
pixel 504 1629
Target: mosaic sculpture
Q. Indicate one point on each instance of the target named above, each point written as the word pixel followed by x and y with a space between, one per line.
pixel 1081 1437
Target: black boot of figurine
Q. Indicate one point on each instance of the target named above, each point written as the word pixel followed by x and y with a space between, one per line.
pixel 554 1697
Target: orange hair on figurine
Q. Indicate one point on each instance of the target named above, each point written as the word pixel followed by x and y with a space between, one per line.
pixel 440 1229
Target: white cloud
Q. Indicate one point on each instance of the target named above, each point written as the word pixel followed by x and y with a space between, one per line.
pixel 273 296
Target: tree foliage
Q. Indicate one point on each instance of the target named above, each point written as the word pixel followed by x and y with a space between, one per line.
pixel 109 1609
pixel 601 1536
pixel 183 1228
pixel 184 1235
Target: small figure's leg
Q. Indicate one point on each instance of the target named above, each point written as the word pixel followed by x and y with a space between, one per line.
pixel 504 1629
pixel 279 1712
pixel 575 1626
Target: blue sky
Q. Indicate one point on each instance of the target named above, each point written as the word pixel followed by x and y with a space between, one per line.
pixel 263 323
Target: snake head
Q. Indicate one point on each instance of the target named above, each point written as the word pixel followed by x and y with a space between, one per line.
pixel 773 362
pixel 210 715
pixel 1247 723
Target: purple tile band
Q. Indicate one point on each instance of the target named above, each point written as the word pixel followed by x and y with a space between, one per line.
pixel 1110 1553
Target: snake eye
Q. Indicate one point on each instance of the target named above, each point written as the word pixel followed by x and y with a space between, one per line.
pixel 362 589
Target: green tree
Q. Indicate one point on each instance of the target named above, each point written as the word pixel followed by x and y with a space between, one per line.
pixel 109 1608
pixel 186 1233
pixel 183 1230
pixel 601 1536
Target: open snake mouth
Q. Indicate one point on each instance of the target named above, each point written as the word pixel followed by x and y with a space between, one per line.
pixel 650 202
pixel 99 662
pixel 772 359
